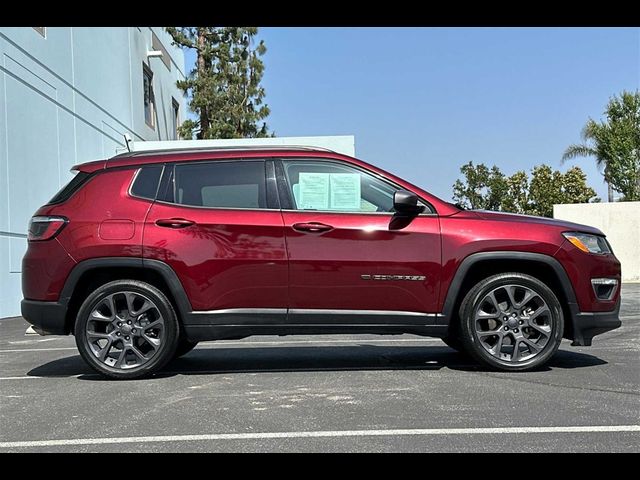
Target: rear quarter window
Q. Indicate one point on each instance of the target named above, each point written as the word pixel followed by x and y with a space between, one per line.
pixel 145 184
pixel 70 188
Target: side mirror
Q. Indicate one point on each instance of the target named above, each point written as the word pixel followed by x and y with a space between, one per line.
pixel 406 202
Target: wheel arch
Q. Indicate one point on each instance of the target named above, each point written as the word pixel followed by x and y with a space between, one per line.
pixel 88 275
pixel 481 265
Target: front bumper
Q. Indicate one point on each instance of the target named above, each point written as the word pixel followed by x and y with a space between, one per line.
pixel 588 325
pixel 47 318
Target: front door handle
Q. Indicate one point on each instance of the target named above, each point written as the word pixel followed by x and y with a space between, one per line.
pixel 313 227
pixel 174 222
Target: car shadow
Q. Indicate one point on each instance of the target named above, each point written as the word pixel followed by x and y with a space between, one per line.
pixel 226 360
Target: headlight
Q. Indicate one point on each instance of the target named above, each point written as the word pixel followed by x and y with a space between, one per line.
pixel 588 243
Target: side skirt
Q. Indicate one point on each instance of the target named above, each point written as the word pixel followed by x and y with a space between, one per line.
pixel 240 323
pixel 203 333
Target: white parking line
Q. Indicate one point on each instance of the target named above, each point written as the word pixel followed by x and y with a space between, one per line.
pixel 323 434
pixel 18 350
pixel 26 377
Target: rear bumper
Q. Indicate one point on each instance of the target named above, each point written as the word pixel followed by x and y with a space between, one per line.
pixel 47 318
pixel 588 325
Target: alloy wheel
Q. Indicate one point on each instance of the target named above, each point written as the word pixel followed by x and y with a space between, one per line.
pixel 513 323
pixel 125 330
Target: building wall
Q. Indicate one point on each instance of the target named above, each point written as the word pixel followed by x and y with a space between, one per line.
pixel 620 222
pixel 68 98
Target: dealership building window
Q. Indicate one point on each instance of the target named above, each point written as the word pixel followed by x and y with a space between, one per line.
pixel 175 116
pixel 149 101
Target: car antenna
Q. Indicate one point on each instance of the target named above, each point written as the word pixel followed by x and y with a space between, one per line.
pixel 127 141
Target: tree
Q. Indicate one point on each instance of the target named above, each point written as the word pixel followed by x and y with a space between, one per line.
pixel 225 89
pixel 545 189
pixel 516 199
pixel 615 145
pixel 483 187
pixel 549 187
pixel 489 189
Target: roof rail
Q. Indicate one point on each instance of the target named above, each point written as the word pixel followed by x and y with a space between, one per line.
pixel 168 150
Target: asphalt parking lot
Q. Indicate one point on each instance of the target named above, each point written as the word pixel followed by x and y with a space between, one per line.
pixel 329 393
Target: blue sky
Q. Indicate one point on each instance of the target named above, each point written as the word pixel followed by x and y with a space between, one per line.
pixel 421 102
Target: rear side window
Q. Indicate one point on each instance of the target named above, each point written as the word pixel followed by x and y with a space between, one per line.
pixel 146 182
pixel 239 184
pixel 70 188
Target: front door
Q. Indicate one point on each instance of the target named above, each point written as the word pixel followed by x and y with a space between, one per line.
pixel 352 259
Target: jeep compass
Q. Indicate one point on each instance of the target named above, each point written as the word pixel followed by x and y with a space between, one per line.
pixel 145 254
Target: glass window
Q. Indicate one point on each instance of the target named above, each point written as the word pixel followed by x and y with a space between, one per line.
pixel 175 117
pixel 328 186
pixel 149 101
pixel 146 183
pixel 221 184
pixel 70 188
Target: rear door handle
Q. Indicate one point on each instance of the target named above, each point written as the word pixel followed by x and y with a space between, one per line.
pixel 313 227
pixel 174 222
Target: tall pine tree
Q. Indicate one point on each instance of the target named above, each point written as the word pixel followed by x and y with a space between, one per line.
pixel 225 89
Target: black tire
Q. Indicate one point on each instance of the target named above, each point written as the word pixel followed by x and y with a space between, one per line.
pixel 184 347
pixel 455 343
pixel 118 293
pixel 522 324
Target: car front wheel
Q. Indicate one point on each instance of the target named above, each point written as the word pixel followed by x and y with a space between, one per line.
pixel 511 322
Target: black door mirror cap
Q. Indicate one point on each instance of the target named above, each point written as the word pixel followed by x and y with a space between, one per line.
pixel 406 202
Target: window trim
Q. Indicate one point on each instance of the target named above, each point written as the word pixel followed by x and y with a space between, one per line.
pixel 146 70
pixel 171 185
pixel 284 189
pixel 156 44
pixel 275 179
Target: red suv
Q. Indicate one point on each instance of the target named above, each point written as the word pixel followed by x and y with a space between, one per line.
pixel 145 254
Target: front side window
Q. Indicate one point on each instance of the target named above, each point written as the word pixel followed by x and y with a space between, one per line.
pixel 334 187
pixel 149 101
pixel 239 184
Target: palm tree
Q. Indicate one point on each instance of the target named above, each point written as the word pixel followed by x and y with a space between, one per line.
pixel 589 148
pixel 615 144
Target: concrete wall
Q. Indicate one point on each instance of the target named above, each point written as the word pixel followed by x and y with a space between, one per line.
pixel 620 222
pixel 65 98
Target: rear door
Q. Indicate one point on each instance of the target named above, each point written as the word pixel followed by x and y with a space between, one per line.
pixel 220 229
pixel 352 259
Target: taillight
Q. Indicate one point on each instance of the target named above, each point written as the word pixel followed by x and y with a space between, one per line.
pixel 45 227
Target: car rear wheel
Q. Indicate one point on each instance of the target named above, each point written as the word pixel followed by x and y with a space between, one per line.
pixel 511 322
pixel 126 329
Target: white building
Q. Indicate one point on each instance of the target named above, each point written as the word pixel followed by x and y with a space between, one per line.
pixel 67 96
